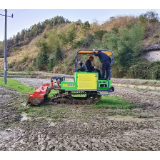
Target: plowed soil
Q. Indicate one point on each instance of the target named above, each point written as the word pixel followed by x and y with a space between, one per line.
pixel 83 127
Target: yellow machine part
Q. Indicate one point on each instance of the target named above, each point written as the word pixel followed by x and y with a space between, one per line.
pixel 109 53
pixel 87 81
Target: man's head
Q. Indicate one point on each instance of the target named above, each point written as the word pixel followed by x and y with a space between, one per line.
pixel 91 58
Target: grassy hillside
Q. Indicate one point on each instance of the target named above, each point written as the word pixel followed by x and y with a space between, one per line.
pixel 54 48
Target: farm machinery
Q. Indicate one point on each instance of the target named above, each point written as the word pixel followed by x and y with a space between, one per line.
pixel 82 88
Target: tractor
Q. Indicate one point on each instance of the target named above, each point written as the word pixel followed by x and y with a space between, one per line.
pixel 82 88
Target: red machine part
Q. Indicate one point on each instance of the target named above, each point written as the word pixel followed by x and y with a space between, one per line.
pixel 55 84
pixel 38 96
pixel 51 83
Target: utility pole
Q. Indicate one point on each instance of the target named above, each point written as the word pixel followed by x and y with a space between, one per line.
pixel 5 46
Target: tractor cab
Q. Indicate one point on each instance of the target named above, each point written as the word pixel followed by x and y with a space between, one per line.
pixel 88 81
pixel 90 52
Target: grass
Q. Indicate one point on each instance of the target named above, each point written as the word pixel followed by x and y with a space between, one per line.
pixel 13 84
pixel 113 102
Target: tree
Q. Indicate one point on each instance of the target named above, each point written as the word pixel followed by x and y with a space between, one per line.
pixel 149 16
pixel 15 39
pixel 85 25
pixel 57 20
pixel 63 38
pixel 41 61
pixel 71 34
pixel 67 21
pixel 79 22
pixel 99 34
pixel 51 62
pixel 58 53
pixel 152 16
pixel 43 47
pixel 88 40
pixel 127 45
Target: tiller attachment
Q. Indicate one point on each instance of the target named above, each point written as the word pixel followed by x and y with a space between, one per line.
pixel 39 95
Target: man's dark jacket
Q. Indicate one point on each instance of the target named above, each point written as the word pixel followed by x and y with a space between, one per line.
pixel 103 57
pixel 89 66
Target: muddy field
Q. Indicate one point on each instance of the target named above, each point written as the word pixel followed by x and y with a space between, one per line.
pixel 81 127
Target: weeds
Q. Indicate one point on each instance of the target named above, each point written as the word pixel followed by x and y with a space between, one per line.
pixel 113 102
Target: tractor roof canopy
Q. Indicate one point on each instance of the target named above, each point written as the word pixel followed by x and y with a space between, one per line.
pixel 109 53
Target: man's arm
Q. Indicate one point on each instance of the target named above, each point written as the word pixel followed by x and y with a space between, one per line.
pixel 96 54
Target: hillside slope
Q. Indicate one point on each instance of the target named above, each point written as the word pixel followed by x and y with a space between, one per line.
pixel 54 49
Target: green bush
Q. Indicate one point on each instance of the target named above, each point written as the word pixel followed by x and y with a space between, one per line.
pixel 71 34
pixel 115 30
pixel 41 61
pixel 68 37
pixel 51 64
pixel 127 45
pixel 58 53
pixel 88 40
pixel 63 38
pixel 54 58
pixel 78 44
pixel 97 44
pixel 85 25
pixel 111 40
pixel 99 34
pixel 145 70
pixel 43 46
pixel 143 19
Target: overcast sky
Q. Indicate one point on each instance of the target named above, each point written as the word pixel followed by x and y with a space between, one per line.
pixel 24 18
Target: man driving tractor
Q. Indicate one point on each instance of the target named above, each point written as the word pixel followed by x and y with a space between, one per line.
pixel 91 68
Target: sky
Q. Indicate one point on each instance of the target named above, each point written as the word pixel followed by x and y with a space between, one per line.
pixel 27 15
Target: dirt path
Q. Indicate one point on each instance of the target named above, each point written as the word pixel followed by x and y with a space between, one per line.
pixel 82 127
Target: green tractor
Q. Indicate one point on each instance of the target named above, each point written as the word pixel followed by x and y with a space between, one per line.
pixel 82 88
